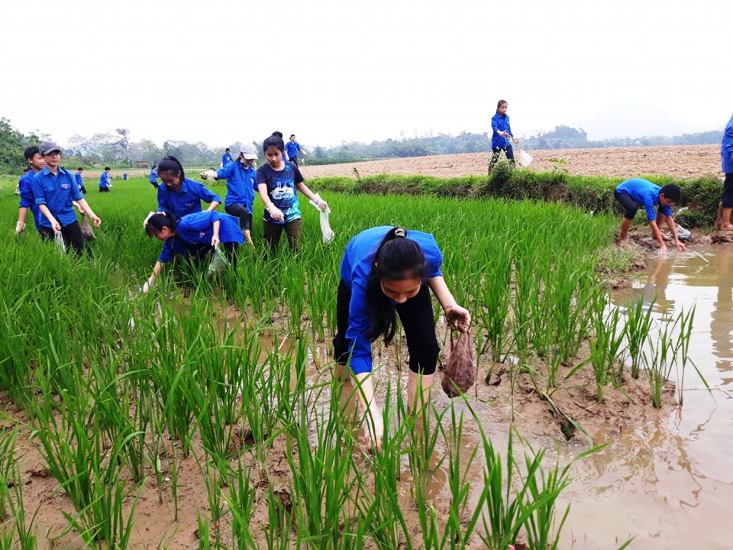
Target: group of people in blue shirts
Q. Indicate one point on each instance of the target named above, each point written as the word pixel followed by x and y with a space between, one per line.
pixel 50 193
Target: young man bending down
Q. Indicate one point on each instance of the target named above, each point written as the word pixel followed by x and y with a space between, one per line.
pixel 657 203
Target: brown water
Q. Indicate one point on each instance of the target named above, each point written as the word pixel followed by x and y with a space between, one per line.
pixel 669 484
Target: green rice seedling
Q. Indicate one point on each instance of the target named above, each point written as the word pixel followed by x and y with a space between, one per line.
pixel 685 321
pixel 605 345
pixel 457 533
pixel 202 533
pixel 661 359
pixel 321 485
pixel 7 471
pixel 241 501
pixel 214 483
pixel 279 506
pixel 638 326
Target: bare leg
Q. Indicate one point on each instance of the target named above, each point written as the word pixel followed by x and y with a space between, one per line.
pixel 725 224
pixel 373 413
pixel 625 224
pixel 719 219
pixel 248 237
pixel 418 390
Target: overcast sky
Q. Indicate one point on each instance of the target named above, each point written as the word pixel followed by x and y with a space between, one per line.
pixel 343 70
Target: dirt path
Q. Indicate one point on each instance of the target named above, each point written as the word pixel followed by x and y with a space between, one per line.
pixel 622 162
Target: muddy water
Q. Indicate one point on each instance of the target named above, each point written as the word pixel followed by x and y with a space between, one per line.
pixel 669 484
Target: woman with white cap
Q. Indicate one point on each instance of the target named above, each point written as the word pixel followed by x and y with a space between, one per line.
pixel 240 176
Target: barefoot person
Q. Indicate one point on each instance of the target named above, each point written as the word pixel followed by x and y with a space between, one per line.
pixel 726 155
pixel 240 177
pixel 54 191
pixel 385 272
pixel 657 202
pixel 501 135
pixel 35 160
pixel 194 234
pixel 278 183
pixel 179 195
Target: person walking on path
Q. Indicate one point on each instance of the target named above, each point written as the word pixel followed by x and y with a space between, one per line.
pixel 179 195
pixel 726 157
pixel 657 202
pixel 278 183
pixel 105 180
pixel 241 176
pixel 54 191
pixel 501 135
pixel 197 234
pixel 35 160
pixel 293 149
pixel 388 272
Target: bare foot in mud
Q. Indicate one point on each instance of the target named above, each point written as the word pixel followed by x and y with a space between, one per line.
pixel 725 227
pixel 625 244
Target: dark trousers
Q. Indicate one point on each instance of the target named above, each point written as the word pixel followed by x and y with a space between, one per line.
pixel 273 232
pixel 294 160
pixel 104 189
pixel 416 315
pixel 83 189
pixel 727 199
pixel 240 211
pixel 496 151
pixel 72 234
pixel 199 253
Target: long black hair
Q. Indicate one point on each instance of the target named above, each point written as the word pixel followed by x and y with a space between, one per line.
pixel 173 165
pixel 498 105
pixel 396 259
pixel 155 223
pixel 274 141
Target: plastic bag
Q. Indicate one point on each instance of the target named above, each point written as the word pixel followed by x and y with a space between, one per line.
pixel 326 230
pixel 59 240
pixel 460 374
pixel 525 159
pixel 218 263
pixel 683 234
pixel 86 229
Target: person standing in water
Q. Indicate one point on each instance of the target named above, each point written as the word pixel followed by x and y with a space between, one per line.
pixel 197 234
pixel 35 160
pixel 388 272
pixel 179 195
pixel 726 157
pixel 240 176
pixel 54 191
pixel 501 135
pixel 657 201
pixel 278 183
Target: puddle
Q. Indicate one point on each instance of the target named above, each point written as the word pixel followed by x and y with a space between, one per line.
pixel 669 483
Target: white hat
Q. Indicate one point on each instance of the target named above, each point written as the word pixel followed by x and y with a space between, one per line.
pixel 248 151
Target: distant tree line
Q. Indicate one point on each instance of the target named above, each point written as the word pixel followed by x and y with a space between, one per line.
pixel 117 149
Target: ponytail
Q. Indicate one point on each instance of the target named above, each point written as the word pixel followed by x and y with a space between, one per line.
pixel 156 221
pixel 397 258
pixel 173 165
pixel 274 141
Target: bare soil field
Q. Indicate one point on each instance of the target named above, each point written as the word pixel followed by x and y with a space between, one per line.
pixel 618 162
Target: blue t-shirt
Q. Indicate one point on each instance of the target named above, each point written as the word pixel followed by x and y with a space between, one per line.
pixel 25 185
pixel 356 265
pixel 726 149
pixel 185 201
pixel 57 192
pixel 646 194
pixel 240 184
pixel 104 179
pixel 198 228
pixel 292 148
pixel 499 123
pixel 153 177
pixel 282 190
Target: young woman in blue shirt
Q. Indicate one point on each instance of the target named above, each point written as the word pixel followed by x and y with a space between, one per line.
pixel 179 195
pixel 194 234
pixel 388 272
pixel 501 135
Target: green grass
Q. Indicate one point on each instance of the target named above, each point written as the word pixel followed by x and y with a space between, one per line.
pixel 123 388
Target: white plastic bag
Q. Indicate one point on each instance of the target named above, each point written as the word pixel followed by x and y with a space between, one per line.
pixel 326 230
pixel 218 263
pixel 525 159
pixel 59 240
